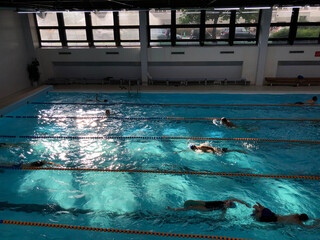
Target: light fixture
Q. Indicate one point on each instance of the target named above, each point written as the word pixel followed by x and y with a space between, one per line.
pixel 247 8
pixel 292 6
pixel 226 9
pixel 22 12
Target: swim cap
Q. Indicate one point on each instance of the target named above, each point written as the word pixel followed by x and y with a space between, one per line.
pixel 191 146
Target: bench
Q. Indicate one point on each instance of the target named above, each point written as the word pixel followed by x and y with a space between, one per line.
pixel 292 81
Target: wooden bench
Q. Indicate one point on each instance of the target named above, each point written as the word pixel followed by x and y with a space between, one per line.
pixel 292 81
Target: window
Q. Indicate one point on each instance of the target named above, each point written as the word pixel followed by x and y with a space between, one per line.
pixel 246 26
pixel 203 27
pixel 295 26
pixel 129 28
pixel 87 29
pixel 159 27
pixel 48 29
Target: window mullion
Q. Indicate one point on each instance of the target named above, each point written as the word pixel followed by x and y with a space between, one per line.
pixel 202 27
pixel 89 29
pixel 116 28
pixel 173 28
pixel 232 27
pixel 62 30
pixel 293 25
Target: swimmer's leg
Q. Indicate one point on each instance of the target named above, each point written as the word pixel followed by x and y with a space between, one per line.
pixel 239 151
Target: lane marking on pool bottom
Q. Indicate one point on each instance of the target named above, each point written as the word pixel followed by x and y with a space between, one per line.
pixel 175 104
pixel 162 118
pixel 112 230
pixel 160 138
pixel 165 172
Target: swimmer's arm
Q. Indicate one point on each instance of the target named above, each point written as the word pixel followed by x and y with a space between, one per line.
pixel 239 201
pixel 52 163
pixel 177 209
pixel 223 214
pixel 310 227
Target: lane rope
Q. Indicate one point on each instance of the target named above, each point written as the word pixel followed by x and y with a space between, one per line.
pixel 161 138
pixel 127 231
pixel 173 104
pixel 165 172
pixel 162 118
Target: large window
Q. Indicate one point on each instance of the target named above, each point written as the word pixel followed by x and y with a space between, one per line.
pixel 203 27
pixel 295 26
pixel 87 29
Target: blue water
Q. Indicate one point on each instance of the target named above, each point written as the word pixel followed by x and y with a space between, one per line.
pixel 139 201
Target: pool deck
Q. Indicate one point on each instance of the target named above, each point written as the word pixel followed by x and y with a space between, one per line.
pixel 232 89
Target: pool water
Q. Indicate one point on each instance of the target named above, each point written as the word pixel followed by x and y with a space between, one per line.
pixel 138 201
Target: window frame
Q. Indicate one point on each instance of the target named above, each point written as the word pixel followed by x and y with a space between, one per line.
pixel 89 32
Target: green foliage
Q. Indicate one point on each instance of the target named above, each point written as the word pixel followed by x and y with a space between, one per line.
pixel 308 32
pixel 211 15
pixel 282 33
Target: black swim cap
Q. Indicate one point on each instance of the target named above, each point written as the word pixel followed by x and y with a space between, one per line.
pixel 303 217
pixel 315 98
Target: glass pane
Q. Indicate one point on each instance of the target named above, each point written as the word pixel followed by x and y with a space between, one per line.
pixel 224 34
pixel 101 44
pixel 49 34
pixel 185 33
pixel 76 34
pixel 217 33
pixel 216 43
pixel 298 41
pixel 278 42
pixel 188 43
pixel 279 32
pixel 217 17
pixel 129 18
pixel 187 17
pixel 129 34
pixel 103 34
pixel 130 44
pixel 51 44
pixel 281 15
pixel 308 32
pixel 74 19
pixel 244 42
pixel 245 32
pixel 102 18
pixel 159 17
pixel 160 33
pixel 247 16
pixel 160 44
pixel 47 19
pixel 309 14
pixel 78 44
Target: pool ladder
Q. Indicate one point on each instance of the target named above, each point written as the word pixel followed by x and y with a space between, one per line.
pixel 130 90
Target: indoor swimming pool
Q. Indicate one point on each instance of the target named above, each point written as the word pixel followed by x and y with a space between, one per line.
pixel 72 130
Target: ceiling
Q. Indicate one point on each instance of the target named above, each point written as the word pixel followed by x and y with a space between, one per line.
pixel 92 5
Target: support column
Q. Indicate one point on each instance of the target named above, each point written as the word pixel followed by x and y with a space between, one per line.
pixel 263 45
pixel 143 47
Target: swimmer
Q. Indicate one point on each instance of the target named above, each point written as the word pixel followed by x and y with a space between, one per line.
pixel 263 214
pixel 108 112
pixel 209 149
pixel 311 101
pixel 9 145
pixel 97 100
pixel 229 124
pixel 208 206
pixel 32 164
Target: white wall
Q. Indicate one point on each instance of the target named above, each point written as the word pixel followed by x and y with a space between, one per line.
pixel 89 63
pixel 14 54
pixel 305 63
pixel 93 63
